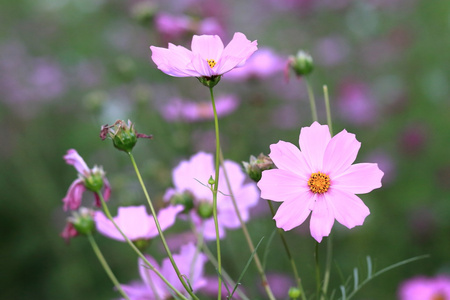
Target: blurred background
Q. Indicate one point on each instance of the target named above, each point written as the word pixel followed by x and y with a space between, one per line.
pixel 67 67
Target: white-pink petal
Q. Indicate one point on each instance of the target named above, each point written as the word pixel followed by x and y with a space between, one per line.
pixel 313 141
pixel 287 156
pixel 322 219
pixel 236 53
pixel 73 158
pixel 293 213
pixel 340 153
pixel 280 185
pixel 207 46
pixel 358 179
pixel 348 209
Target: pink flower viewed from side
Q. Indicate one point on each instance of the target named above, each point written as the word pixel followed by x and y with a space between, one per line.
pixel 191 265
pixel 91 179
pixel 425 288
pixel 191 177
pixel 319 178
pixel 177 109
pixel 135 223
pixel 208 58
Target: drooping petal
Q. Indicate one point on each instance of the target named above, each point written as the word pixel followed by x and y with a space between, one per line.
pixel 322 219
pixel 287 156
pixel 166 218
pixel 73 158
pixel 347 208
pixel 207 46
pixel 174 61
pixel 313 141
pixel 74 195
pixel 236 53
pixel 340 153
pixel 293 213
pixel 280 185
pixel 359 179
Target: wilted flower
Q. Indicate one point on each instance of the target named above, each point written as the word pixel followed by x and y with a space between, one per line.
pixel 255 166
pixel 80 222
pixel 92 179
pixel 135 223
pixel 190 264
pixel 123 135
pixel 423 288
pixel 321 179
pixel 208 59
pixel 192 176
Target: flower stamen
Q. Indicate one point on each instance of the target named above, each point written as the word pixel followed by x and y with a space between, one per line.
pixel 319 183
pixel 211 63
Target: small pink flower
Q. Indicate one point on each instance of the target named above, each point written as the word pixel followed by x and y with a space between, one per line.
pixel 91 179
pixel 191 177
pixel 208 57
pixel 135 223
pixel 321 179
pixel 191 265
pixel 423 288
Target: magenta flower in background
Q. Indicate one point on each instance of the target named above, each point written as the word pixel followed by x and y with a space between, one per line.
pixel 319 178
pixel 191 265
pixel 177 109
pixel 208 57
pixel 92 179
pixel 172 26
pixel 191 177
pixel 424 288
pixel 356 103
pixel 135 223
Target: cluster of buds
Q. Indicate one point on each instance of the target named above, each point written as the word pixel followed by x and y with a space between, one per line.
pixel 257 165
pixel 302 64
pixel 123 135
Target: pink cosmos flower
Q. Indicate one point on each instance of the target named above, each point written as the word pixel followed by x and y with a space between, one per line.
pixel 177 109
pixel 135 223
pixel 189 262
pixel 90 179
pixel 208 57
pixel 319 178
pixel 191 177
pixel 423 288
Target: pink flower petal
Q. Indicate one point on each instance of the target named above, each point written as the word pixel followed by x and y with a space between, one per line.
pixel 209 230
pixel 322 219
pixel 166 218
pixel 73 158
pixel 358 179
pixel 236 53
pixel 287 156
pixel 173 61
pixel 74 195
pixel 340 153
pixel 202 67
pixel 207 46
pixel 280 185
pixel 347 208
pixel 313 141
pixel 292 213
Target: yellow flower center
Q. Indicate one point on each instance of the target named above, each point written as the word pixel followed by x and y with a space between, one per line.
pixel 319 183
pixel 438 296
pixel 211 63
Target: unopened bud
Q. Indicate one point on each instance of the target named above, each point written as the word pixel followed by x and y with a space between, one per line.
pixel 205 210
pixel 83 221
pixel 257 165
pixel 94 182
pixel 294 293
pixel 302 63
pixel 211 180
pixel 142 244
pixel 123 135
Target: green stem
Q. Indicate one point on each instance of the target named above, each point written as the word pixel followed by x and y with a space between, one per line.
pixel 288 253
pixel 215 188
pixel 166 247
pixel 138 252
pixel 327 108
pixel 326 277
pixel 105 266
pixel 316 256
pixel 312 101
pixel 261 272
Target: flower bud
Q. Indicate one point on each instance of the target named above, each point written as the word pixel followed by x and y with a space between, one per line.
pixel 142 244
pixel 211 180
pixel 94 182
pixel 83 221
pixel 205 210
pixel 123 135
pixel 294 293
pixel 302 63
pixel 185 199
pixel 255 166
pixel 209 81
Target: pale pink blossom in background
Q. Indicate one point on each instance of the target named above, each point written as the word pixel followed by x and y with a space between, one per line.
pixel 356 104
pixel 319 178
pixel 178 109
pixel 192 175
pixel 74 195
pixel 172 26
pixel 190 264
pixel 135 223
pixel 264 63
pixel 208 57
pixel 425 288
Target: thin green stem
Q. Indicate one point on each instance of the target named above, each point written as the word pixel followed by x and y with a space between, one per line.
pixel 261 272
pixel 316 256
pixel 312 101
pixel 215 189
pixel 166 247
pixel 105 265
pixel 326 277
pixel 327 108
pixel 138 252
pixel 288 253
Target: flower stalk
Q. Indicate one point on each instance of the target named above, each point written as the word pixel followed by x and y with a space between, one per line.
pixel 312 101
